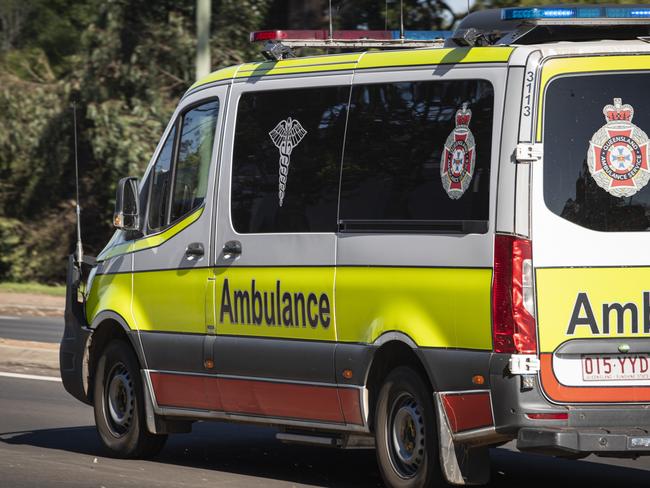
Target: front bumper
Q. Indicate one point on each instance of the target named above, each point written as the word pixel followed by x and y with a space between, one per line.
pixel 75 340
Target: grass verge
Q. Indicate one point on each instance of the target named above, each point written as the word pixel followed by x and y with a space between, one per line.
pixel 36 288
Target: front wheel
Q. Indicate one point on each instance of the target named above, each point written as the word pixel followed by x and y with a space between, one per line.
pixel 119 405
pixel 405 430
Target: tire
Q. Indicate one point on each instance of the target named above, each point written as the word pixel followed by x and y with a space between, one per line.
pixel 119 405
pixel 406 432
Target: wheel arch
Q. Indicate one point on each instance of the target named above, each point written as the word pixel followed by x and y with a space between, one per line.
pixel 393 349
pixel 107 326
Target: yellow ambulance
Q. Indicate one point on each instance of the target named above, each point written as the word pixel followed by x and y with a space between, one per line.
pixel 429 251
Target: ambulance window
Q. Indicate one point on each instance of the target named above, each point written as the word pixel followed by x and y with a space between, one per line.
pixel 160 184
pixel 397 135
pixel 596 167
pixel 194 156
pixel 286 160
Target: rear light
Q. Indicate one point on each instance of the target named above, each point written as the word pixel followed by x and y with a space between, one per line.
pixel 548 416
pixel 513 302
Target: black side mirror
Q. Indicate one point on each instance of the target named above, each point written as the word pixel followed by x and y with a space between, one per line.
pixel 127 211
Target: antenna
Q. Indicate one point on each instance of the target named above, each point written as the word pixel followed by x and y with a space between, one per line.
pixel 401 19
pixel 330 15
pixel 79 254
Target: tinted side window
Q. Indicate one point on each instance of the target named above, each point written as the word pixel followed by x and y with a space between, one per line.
pixel 161 177
pixel 417 157
pixel 596 165
pixel 286 160
pixel 194 156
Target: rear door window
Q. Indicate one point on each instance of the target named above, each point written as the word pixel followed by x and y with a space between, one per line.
pixel 596 169
pixel 417 157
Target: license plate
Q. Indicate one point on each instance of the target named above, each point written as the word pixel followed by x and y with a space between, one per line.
pixel 616 367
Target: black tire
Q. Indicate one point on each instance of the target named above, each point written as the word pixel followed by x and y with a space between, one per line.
pixel 406 432
pixel 119 405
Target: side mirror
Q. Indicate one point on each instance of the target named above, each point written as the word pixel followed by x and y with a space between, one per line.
pixel 127 212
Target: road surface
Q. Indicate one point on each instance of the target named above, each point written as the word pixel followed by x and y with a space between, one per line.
pixel 48 439
pixel 40 329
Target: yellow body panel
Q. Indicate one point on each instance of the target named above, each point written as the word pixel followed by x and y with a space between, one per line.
pixel 384 59
pixel 586 64
pixel 561 292
pixel 110 292
pixel 171 301
pixel 318 281
pixel 436 307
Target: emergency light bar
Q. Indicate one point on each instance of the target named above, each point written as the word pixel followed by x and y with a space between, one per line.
pixel 280 42
pixel 590 13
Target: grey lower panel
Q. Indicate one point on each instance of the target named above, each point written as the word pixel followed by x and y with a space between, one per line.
pixel 356 358
pixel 453 369
pixel 275 358
pixel 173 352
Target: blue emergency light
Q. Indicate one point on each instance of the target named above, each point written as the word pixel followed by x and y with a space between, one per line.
pixel 541 13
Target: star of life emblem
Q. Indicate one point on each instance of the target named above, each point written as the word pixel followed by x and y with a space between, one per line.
pixel 286 136
pixel 618 153
pixel 459 157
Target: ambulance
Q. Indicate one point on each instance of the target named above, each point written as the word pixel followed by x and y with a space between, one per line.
pixel 429 251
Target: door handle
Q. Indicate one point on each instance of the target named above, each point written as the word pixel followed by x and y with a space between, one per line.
pixel 231 249
pixel 194 251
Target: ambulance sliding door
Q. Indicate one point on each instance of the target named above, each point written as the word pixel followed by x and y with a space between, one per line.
pixel 275 248
pixel 417 208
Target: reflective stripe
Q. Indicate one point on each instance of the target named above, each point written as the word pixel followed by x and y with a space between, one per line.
pixel 379 59
pixel 153 240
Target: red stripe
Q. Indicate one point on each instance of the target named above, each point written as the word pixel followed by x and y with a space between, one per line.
pixel 467 411
pixel 281 400
pixel 351 405
pixel 265 398
pixel 186 391
pixel 587 394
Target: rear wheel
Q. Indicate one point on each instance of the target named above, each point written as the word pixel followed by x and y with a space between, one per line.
pixel 119 405
pixel 405 430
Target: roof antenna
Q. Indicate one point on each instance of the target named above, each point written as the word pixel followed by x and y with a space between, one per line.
pixel 330 14
pixel 79 254
pixel 401 19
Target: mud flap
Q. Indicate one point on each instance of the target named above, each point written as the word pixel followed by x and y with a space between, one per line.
pixel 75 339
pixel 461 464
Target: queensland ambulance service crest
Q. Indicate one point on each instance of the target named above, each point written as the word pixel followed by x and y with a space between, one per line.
pixel 459 157
pixel 618 153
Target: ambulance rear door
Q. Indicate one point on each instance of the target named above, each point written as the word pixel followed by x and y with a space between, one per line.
pixel 591 229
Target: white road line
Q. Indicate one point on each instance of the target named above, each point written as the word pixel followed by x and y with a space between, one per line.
pixel 8 317
pixel 30 377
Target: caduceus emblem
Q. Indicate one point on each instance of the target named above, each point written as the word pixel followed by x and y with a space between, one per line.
pixel 286 136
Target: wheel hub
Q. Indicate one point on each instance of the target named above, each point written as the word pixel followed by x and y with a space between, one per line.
pixel 406 440
pixel 119 399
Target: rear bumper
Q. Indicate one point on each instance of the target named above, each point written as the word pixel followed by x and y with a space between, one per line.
pixel 612 429
pixel 563 441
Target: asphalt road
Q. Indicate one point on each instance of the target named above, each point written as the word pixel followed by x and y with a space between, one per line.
pixel 48 439
pixel 40 329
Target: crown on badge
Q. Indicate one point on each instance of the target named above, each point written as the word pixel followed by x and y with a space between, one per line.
pixel 618 111
pixel 463 115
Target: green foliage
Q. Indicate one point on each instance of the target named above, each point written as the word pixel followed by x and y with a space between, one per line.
pixel 125 63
